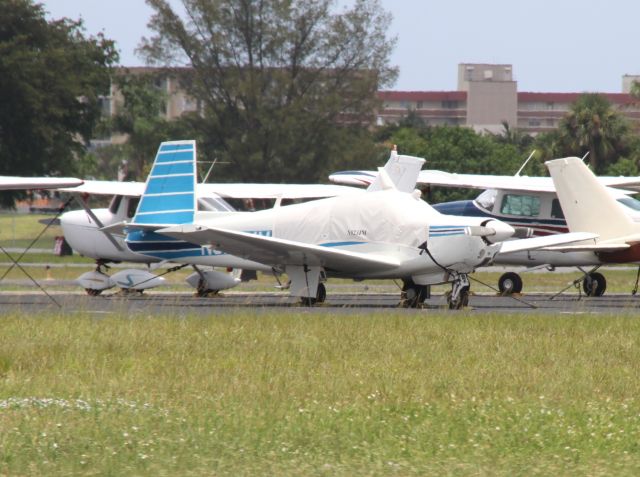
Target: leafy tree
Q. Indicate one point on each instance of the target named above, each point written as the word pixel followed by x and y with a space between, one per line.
pixel 51 79
pixel 635 89
pixel 593 126
pixel 286 85
pixel 458 149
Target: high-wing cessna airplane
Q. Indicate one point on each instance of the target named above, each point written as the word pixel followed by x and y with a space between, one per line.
pixel 530 205
pixel 89 232
pixel 589 207
pixel 386 232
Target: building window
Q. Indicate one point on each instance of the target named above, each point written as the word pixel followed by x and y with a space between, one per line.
pixel 522 205
pixel 534 123
pixel 449 104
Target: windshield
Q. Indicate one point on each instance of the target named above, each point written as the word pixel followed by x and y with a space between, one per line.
pixel 630 202
pixel 214 204
pixel 487 199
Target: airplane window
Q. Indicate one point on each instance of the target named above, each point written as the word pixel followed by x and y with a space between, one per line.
pixel 132 206
pixel 524 205
pixel 556 210
pixel 214 204
pixel 115 204
pixel 487 199
pixel 630 202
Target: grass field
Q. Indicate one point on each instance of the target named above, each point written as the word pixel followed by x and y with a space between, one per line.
pixel 256 394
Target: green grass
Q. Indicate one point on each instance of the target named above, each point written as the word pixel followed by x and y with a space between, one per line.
pixel 308 394
pixel 18 230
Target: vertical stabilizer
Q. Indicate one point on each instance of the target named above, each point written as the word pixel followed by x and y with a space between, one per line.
pixel 400 172
pixel 170 192
pixel 587 204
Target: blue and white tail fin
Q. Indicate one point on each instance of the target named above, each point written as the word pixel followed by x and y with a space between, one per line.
pixel 170 193
pixel 400 172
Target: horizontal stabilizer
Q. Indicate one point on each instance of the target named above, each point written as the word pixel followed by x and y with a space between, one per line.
pixel 274 251
pixel 535 243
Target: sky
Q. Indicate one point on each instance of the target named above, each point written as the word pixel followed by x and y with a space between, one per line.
pixel 553 45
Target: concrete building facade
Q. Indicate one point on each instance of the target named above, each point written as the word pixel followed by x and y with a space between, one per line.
pixel 487 96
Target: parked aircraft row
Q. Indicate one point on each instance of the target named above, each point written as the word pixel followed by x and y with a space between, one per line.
pixel 385 232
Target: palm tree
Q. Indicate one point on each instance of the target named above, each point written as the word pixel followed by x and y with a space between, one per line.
pixel 593 125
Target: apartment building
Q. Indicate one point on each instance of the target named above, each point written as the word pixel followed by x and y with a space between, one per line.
pixel 487 96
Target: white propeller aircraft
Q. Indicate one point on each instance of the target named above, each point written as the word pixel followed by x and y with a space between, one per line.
pixel 96 233
pixel 387 232
pixel 530 205
pixel 589 206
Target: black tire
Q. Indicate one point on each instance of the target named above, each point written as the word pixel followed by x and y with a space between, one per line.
pixel 92 291
pixel 321 294
pixel 596 286
pixel 509 283
pixel 413 295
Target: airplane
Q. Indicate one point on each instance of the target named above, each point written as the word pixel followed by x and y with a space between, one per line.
pixel 589 206
pixel 527 203
pixel 387 232
pixel 96 233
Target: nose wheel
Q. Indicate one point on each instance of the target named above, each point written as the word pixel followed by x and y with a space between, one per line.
pixel 459 296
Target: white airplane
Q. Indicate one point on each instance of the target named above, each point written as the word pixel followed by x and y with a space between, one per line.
pixel 96 233
pixel 589 206
pixel 530 205
pixel 385 233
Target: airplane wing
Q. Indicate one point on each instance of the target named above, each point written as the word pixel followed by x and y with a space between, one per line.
pixel 233 191
pixel 275 191
pixel 480 181
pixel 273 251
pixel 128 189
pixel 24 183
pixel 535 243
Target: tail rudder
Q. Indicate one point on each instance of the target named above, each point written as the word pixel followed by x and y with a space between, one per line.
pixel 587 204
pixel 170 192
pixel 400 172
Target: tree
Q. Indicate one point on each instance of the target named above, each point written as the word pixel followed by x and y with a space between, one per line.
pixel 286 85
pixel 593 126
pixel 51 79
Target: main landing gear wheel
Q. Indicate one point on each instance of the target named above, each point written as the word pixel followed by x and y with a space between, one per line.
pixel 321 296
pixel 202 291
pixel 92 292
pixel 413 296
pixel 510 283
pixel 594 284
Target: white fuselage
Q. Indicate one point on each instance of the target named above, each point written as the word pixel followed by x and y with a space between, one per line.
pixel 385 223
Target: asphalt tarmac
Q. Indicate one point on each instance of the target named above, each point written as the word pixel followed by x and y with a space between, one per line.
pixel 151 303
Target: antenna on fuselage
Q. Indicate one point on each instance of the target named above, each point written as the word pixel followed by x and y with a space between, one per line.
pixel 525 163
pixel 585 156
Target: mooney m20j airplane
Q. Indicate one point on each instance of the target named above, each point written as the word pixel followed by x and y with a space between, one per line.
pixel 387 232
pixel 530 205
pixel 91 232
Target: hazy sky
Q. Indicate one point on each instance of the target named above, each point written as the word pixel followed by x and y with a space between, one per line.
pixel 553 45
